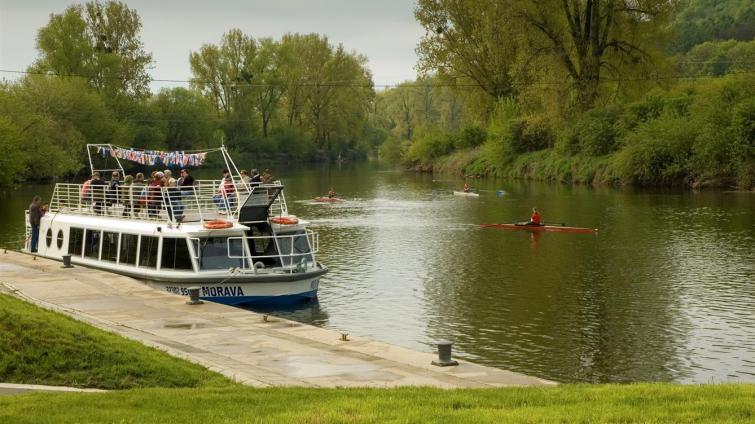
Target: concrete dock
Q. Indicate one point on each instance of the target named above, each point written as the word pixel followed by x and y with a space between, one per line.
pixel 234 342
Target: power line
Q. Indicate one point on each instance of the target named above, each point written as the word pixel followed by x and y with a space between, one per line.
pixel 359 84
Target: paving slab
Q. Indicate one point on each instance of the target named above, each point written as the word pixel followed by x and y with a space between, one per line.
pixel 237 343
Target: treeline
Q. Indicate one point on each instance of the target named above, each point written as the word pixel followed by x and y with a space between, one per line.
pixel 298 98
pixel 593 92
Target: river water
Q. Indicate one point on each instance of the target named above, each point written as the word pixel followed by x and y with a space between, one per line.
pixel 664 292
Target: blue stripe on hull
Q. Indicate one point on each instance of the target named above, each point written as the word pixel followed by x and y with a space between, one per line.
pixel 266 300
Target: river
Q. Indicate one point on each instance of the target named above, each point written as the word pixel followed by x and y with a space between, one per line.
pixel 664 292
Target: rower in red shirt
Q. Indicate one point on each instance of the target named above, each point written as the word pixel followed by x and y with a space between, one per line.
pixel 535 218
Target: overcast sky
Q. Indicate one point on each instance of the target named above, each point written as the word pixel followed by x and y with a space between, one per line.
pixel 385 31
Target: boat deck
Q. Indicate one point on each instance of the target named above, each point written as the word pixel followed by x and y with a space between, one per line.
pixel 239 344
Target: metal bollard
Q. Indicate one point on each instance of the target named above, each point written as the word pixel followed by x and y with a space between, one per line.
pixel 444 354
pixel 194 296
pixel 67 261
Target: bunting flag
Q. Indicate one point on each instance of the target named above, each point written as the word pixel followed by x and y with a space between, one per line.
pixel 155 157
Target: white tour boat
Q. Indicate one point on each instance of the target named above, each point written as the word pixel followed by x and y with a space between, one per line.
pixel 239 245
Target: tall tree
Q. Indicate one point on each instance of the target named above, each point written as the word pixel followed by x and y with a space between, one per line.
pixel 590 38
pixel 475 39
pixel 269 86
pixel 101 42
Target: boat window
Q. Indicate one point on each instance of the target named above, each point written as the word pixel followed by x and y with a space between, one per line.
pixel 213 253
pixel 60 239
pixel 128 249
pixel 75 240
pixel 92 244
pixel 48 237
pixel 300 244
pixel 148 252
pixel 175 254
pixel 109 246
pixel 261 239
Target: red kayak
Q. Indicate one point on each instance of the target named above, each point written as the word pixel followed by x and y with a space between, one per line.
pixel 328 199
pixel 550 228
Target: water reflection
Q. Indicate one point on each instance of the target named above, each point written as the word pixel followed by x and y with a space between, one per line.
pixel 664 292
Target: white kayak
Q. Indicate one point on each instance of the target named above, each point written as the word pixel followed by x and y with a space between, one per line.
pixel 468 194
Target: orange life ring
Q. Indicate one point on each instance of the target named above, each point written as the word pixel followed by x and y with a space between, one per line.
pixel 285 220
pixel 217 224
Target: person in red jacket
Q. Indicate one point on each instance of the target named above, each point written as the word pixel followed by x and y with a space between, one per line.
pixel 535 218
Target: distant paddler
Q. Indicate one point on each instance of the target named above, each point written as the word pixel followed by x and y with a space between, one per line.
pixel 331 193
pixel 535 219
pixel 467 188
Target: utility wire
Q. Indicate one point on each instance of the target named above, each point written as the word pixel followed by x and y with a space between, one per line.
pixel 359 84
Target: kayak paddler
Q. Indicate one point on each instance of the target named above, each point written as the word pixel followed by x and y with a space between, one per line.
pixel 331 193
pixel 467 188
pixel 535 218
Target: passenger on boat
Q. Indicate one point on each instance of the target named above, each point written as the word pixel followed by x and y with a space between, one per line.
pixel 126 195
pixel 112 188
pixel 86 193
pixel 138 194
pixel 154 197
pixel 255 179
pixel 245 176
pixel 35 215
pixel 174 195
pixel 331 193
pixel 225 196
pixel 267 177
pixel 168 175
pixel 185 185
pixel 467 188
pixel 97 192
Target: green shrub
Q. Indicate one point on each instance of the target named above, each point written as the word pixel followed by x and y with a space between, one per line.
pixel 595 132
pixel 658 152
pixel 391 150
pixel 469 137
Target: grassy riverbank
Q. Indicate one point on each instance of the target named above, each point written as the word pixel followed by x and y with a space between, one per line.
pixel 42 347
pixel 646 403
pixel 38 346
pixel 698 134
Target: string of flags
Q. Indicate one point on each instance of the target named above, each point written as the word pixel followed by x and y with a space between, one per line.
pixel 154 157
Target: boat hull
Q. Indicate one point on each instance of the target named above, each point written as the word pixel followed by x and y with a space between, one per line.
pixel 465 194
pixel 541 228
pixel 244 294
pixel 327 199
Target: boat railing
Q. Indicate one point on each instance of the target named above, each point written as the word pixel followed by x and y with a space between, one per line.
pixel 291 260
pixel 205 200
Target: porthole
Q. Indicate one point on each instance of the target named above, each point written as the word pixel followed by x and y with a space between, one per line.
pixel 48 237
pixel 60 239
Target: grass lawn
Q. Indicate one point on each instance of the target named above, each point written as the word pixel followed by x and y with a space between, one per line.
pixel 43 347
pixel 647 403
pixel 38 346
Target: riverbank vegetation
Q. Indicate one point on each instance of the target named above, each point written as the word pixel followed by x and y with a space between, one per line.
pixel 42 347
pixel 620 92
pixel 266 99
pixel 640 93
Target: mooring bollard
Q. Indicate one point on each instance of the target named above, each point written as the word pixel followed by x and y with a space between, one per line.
pixel 444 354
pixel 194 296
pixel 67 261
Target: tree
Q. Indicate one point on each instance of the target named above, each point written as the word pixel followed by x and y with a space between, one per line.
pixel 469 38
pixel 593 37
pixel 269 85
pixel 100 42
pixel 188 119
